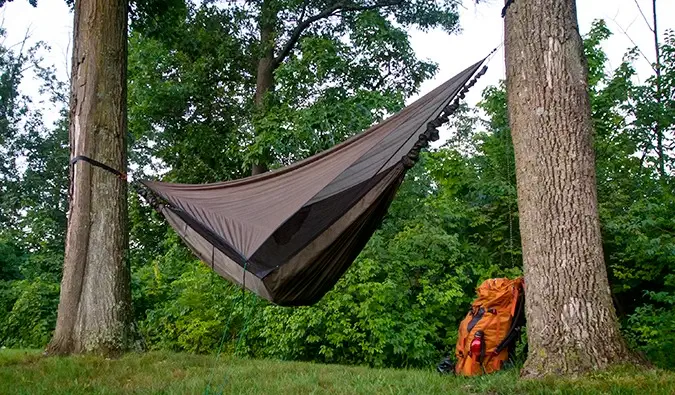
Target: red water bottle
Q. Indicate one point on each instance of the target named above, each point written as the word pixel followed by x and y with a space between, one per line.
pixel 476 345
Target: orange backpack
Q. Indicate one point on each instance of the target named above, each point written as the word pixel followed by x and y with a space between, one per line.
pixel 490 330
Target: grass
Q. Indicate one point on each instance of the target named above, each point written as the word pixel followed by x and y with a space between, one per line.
pixel 28 372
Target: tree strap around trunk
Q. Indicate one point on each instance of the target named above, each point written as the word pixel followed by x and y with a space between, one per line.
pixel 96 163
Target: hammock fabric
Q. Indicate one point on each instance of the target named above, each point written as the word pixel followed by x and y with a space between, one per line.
pixel 288 235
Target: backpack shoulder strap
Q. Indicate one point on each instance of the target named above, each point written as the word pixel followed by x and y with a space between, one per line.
pixel 517 322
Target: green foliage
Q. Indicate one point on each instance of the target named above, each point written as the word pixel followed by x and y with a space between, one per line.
pixel 651 328
pixel 28 313
pixel 194 313
pixel 188 96
pixel 11 259
pixel 343 74
pixel 33 188
pixel 156 18
pixel 192 81
pixel 331 90
pixel 654 118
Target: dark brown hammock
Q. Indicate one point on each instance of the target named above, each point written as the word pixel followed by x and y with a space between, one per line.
pixel 296 230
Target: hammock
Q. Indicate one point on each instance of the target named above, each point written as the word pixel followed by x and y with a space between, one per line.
pixel 288 235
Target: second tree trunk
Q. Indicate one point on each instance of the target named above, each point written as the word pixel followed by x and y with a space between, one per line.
pixel 571 322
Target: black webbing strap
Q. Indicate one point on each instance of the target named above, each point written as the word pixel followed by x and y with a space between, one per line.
pixel 506 7
pixel 98 164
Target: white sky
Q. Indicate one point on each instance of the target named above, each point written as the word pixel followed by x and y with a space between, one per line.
pixel 482 30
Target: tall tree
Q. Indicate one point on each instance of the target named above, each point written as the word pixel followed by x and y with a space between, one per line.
pixel 659 98
pixel 572 324
pixel 282 24
pixel 653 117
pixel 331 75
pixel 95 303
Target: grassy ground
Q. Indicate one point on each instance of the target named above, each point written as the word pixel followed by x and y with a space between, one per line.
pixel 27 372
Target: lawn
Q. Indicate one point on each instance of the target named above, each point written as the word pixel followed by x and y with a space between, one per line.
pixel 28 372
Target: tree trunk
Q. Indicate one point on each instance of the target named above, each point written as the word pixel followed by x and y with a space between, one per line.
pixel 571 323
pixel 95 303
pixel 658 130
pixel 265 76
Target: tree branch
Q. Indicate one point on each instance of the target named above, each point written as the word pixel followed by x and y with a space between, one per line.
pixel 382 79
pixel 657 127
pixel 625 33
pixel 644 17
pixel 304 10
pixel 326 13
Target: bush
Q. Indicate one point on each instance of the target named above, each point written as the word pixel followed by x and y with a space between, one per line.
pixel 651 328
pixel 196 309
pixel 29 313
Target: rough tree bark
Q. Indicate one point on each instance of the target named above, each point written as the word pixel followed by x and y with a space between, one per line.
pixel 95 302
pixel 571 323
